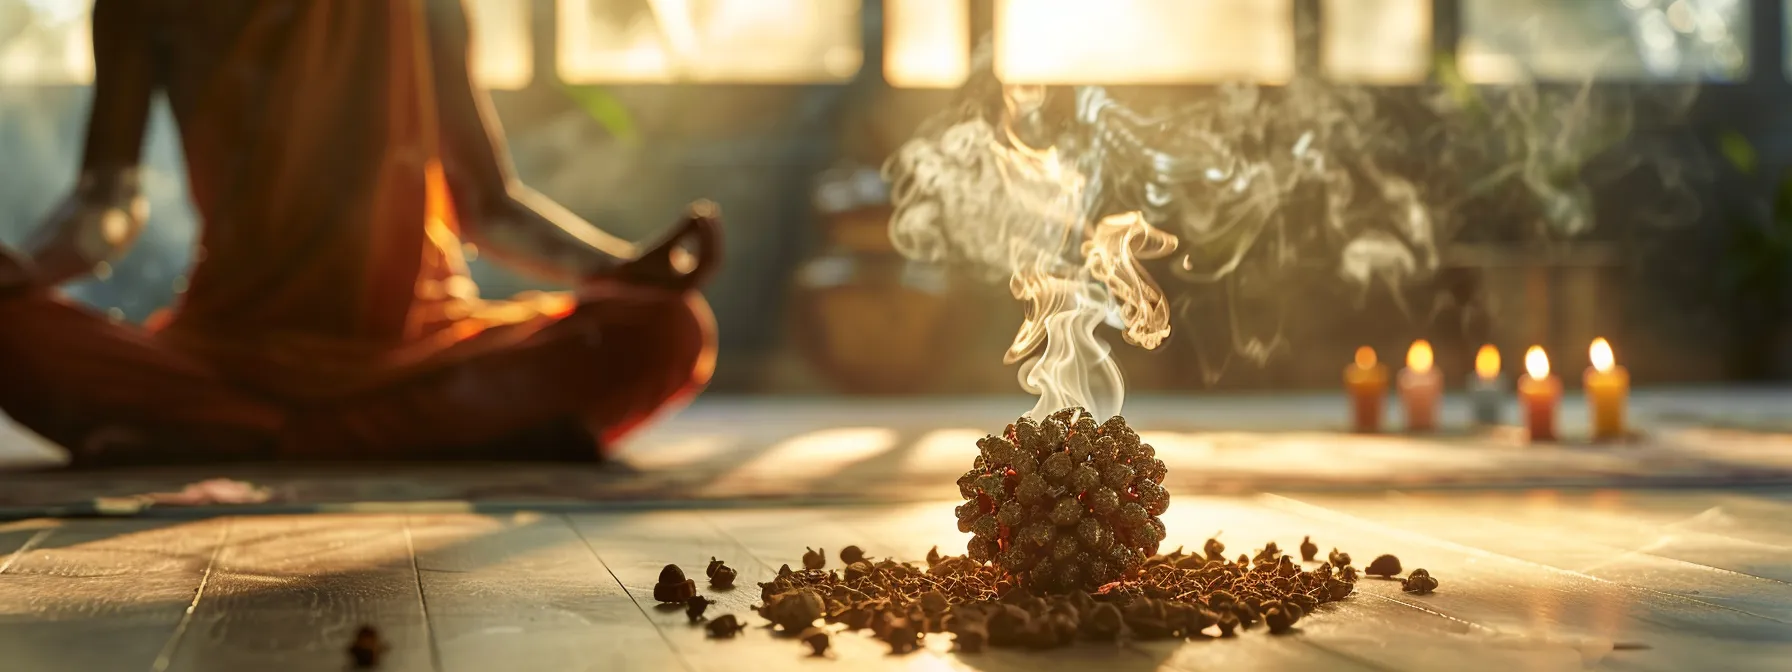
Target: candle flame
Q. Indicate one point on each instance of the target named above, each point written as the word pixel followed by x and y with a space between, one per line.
pixel 1601 353
pixel 1487 361
pixel 1536 363
pixel 1365 357
pixel 1419 357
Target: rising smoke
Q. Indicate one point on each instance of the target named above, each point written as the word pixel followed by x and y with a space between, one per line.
pixel 1245 186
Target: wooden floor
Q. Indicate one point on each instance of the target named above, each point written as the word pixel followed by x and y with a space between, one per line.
pixel 1538 580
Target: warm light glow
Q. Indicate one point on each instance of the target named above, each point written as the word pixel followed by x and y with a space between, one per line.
pixel 1376 41
pixel 1143 41
pixel 1507 41
pixel 46 43
pixel 1419 357
pixel 666 41
pixel 503 47
pixel 1365 357
pixel 1536 363
pixel 811 454
pixel 927 43
pixel 1601 353
pixel 1487 361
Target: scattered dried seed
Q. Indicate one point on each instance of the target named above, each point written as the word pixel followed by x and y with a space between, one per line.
pixel 725 626
pixel 1309 551
pixel 367 648
pixel 815 559
pixel 850 555
pixel 694 607
pixel 1419 581
pixel 817 639
pixel 1384 566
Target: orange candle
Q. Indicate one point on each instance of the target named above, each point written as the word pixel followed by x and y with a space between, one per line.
pixel 1538 394
pixel 1607 386
pixel 1420 387
pixel 1367 383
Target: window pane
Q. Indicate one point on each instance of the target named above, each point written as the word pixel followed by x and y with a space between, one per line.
pixel 927 43
pixel 46 42
pixel 1144 41
pixel 503 48
pixel 768 41
pixel 1376 41
pixel 1512 40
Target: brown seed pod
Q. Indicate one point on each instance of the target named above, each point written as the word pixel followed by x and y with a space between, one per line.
pixel 1215 550
pixel 852 554
pixel 674 593
pixel 367 647
pixel 901 635
pixel 723 577
pixel 815 559
pixel 725 626
pixel 1384 566
pixel 671 574
pixel 694 607
pixel 1419 581
pixel 1309 551
pixel 1339 558
pixel 817 639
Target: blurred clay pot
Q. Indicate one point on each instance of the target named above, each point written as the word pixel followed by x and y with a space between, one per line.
pixel 868 319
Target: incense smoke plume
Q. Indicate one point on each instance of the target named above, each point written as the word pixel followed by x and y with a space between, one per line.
pixel 1065 191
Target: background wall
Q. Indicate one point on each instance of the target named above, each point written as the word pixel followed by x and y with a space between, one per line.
pixel 627 155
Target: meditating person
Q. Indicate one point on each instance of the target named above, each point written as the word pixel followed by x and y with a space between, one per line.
pixel 337 153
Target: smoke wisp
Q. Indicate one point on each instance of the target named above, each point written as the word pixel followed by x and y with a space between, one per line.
pixel 1247 189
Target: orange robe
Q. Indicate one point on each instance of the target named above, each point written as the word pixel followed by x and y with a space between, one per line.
pixel 329 314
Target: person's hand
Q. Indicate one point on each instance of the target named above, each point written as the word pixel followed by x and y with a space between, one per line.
pixel 682 261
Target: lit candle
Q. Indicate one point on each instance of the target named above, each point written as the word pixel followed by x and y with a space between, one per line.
pixel 1487 388
pixel 1607 386
pixel 1420 387
pixel 1367 383
pixel 1538 393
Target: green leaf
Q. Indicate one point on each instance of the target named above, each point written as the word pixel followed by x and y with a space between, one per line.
pixel 1738 150
pixel 604 108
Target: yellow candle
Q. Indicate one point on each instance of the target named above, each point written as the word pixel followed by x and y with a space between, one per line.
pixel 1607 386
pixel 1538 394
pixel 1420 387
pixel 1367 383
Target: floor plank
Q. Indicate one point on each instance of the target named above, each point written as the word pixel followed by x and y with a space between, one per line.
pixel 1511 595
pixel 289 592
pixel 1589 542
pixel 22 536
pixel 104 594
pixel 526 593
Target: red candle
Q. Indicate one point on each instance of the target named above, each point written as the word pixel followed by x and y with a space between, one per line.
pixel 1420 388
pixel 1538 394
pixel 1367 383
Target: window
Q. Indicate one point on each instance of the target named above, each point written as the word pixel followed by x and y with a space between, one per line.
pixel 1638 40
pixel 50 42
pixel 1376 41
pixel 1143 41
pixel 659 41
pixel 503 48
pixel 46 42
pixel 927 43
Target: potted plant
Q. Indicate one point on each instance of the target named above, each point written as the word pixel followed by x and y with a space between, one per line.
pixel 1757 267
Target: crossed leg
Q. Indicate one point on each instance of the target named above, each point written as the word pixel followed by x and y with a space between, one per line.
pixel 113 395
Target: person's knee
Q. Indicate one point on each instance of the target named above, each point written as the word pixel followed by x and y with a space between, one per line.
pixel 688 345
